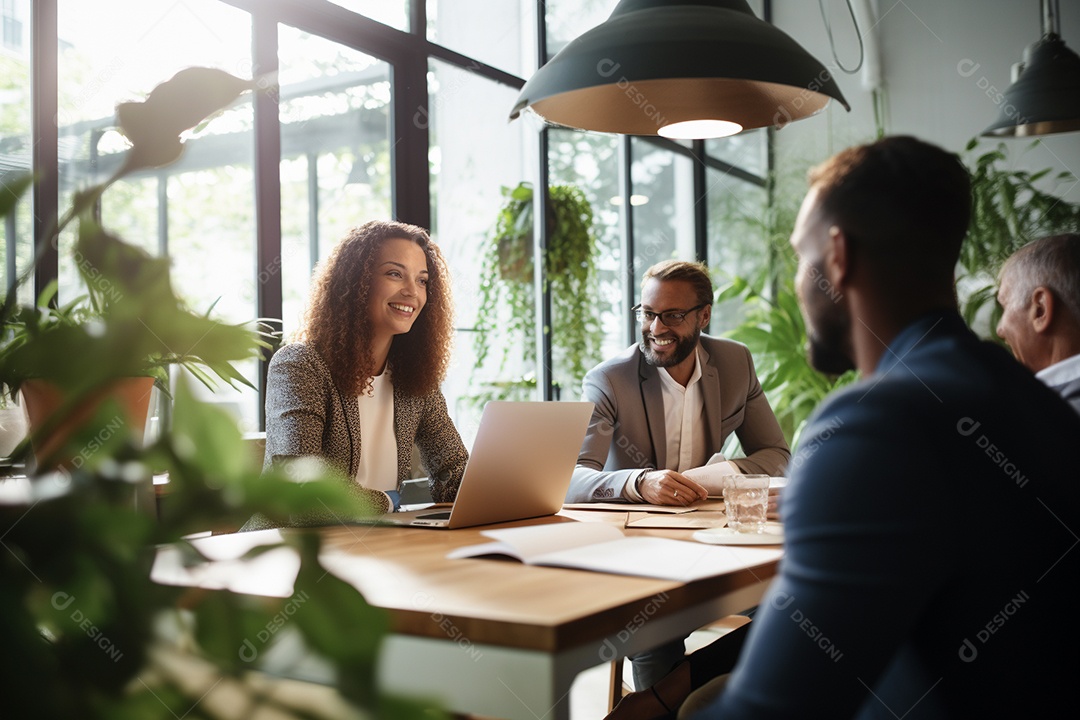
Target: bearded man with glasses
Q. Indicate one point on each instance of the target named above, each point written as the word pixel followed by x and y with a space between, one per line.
pixel 668 403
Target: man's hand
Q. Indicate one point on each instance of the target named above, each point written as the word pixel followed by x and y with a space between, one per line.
pixel 667 487
pixel 773 512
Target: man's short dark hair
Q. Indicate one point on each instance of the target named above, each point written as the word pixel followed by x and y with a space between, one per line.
pixel 903 203
pixel 694 273
pixel 1051 262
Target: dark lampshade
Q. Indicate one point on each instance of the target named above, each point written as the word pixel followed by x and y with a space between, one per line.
pixel 1045 99
pixel 654 64
pixel 1045 96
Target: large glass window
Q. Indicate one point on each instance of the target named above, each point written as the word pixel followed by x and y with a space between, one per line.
pixel 590 161
pixel 499 33
pixel 394 13
pixel 567 19
pixel 739 239
pixel 662 203
pixel 474 153
pixel 335 147
pixel 747 150
pixel 200 207
pixel 15 146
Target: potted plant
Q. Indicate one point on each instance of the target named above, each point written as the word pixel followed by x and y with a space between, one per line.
pixel 87 633
pixel 12 425
pixel 130 322
pixel 506 288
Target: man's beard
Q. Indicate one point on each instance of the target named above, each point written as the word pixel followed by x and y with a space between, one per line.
pixel 829 335
pixel 827 356
pixel 683 347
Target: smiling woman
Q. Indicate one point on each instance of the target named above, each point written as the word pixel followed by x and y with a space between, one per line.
pixel 360 384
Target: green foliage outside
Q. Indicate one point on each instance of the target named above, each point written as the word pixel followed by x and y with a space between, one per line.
pixel 773 328
pixel 1009 210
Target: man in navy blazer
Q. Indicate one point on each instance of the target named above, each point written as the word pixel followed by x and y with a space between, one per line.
pixel 668 403
pixel 1039 292
pixel 932 513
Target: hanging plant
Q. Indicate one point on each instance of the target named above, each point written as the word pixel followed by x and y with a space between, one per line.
pixel 507 294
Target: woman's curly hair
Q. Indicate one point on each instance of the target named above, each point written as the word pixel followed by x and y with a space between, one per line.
pixel 337 322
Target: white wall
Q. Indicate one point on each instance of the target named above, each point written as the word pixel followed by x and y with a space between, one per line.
pixel 942 62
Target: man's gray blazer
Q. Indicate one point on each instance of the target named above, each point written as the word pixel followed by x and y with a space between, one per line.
pixel 626 433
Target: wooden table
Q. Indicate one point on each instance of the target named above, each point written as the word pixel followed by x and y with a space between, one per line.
pixel 505 639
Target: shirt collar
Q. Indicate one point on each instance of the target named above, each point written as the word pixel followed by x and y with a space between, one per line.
pixel 1062 372
pixel 694 376
pixel 920 331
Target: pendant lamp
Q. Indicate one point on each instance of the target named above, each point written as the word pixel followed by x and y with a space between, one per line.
pixel 1045 95
pixel 685 69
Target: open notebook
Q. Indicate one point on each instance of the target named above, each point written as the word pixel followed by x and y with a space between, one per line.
pixel 602 547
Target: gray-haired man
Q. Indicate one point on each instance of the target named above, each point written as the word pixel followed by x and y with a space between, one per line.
pixel 1039 291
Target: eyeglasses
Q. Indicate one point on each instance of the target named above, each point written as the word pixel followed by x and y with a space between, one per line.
pixel 670 318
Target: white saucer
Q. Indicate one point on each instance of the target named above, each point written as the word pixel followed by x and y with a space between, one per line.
pixel 773 535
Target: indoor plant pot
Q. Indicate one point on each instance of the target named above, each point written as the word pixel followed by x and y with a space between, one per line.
pixel 13 424
pixel 53 418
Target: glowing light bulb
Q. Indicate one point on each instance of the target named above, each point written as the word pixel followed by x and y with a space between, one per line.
pixel 699 129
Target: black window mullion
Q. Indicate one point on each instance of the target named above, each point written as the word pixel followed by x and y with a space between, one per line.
pixel 313 209
pixel 409 141
pixel 418 18
pixel 45 139
pixel 626 221
pixel 336 24
pixel 701 207
pixel 544 358
pixel 267 170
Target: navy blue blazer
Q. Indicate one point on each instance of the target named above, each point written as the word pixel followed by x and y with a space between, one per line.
pixel 931 532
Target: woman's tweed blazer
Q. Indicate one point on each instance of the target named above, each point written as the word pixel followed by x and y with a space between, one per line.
pixel 307 415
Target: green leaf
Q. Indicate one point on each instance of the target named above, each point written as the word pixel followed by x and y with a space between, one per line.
pixel 732 290
pixel 154 125
pixel 342 606
pixel 233 630
pixel 752 336
pixel 212 432
pixel 521 193
pixel 12 191
pixel 403 708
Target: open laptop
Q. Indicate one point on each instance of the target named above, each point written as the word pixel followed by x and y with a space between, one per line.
pixel 519 467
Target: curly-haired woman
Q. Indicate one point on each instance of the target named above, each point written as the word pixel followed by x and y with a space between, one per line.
pixel 360 383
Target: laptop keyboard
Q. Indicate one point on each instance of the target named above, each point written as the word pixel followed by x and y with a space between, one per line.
pixel 442 515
